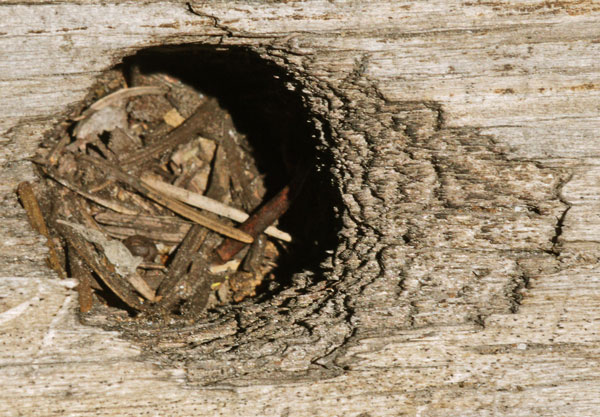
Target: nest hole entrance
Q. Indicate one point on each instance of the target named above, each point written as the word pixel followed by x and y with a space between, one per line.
pixel 125 183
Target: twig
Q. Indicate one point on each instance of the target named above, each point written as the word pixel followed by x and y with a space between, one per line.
pixel 150 265
pixel 156 228
pixel 171 204
pixel 236 165
pixel 141 286
pixel 193 125
pixel 80 271
pixel 202 280
pixel 116 256
pixel 237 176
pixel 119 208
pixel 176 285
pixel 202 202
pixel 255 255
pixel 120 287
pixel 122 232
pixel 36 219
pixel 264 216
pixel 101 186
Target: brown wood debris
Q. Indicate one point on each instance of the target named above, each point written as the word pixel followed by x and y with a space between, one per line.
pixel 147 203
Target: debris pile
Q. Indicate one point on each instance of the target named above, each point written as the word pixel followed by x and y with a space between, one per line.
pixel 152 196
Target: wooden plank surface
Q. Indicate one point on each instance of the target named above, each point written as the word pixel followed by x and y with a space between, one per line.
pixel 526 73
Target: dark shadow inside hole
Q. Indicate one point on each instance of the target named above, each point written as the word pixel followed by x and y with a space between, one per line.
pixel 266 107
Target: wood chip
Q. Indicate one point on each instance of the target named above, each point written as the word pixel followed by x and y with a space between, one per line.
pixel 173 118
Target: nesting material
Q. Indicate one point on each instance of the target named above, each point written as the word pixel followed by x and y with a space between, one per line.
pixel 144 206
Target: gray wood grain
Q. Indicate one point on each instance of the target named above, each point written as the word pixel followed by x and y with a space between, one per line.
pixel 463 140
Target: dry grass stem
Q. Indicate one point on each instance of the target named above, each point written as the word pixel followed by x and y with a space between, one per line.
pixel 205 203
pixel 120 95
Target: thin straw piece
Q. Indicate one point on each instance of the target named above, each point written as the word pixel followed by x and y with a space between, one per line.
pixel 121 94
pixel 202 202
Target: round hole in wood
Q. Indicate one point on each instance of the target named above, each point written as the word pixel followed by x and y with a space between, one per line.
pixel 191 177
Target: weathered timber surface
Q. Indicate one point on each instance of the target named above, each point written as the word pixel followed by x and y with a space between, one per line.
pixel 463 139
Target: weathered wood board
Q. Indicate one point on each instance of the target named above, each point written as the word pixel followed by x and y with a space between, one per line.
pixel 464 141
